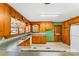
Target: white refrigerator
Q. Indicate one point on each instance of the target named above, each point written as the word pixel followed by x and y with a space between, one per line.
pixel 74 38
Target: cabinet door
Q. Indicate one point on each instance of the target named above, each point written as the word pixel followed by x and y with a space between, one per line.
pixel 7 22
pixel 1 19
pixel 42 39
pixel 38 40
pixel 35 39
pixel 25 43
pixel 18 16
pixel 12 12
pixel 1 22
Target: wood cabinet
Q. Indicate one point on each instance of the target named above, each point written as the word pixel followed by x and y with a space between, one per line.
pixel 43 39
pixel 1 19
pixel 27 28
pixel 6 12
pixel 38 39
pixel 66 33
pixel 25 43
pixel 7 22
pixel 13 13
pixel 4 20
pixel 43 26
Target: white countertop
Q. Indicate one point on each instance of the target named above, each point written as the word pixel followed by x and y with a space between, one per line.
pixel 40 34
pixel 3 40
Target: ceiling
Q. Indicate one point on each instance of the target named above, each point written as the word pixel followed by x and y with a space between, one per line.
pixel 55 12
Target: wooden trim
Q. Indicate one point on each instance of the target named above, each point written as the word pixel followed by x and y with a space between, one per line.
pixel 14 35
pixel 71 19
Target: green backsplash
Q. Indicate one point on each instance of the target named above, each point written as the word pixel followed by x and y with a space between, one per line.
pixel 50 34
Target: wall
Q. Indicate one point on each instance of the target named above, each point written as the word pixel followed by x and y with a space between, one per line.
pixel 50 34
pixel 43 25
pixel 66 29
pixel 47 28
pixel 65 33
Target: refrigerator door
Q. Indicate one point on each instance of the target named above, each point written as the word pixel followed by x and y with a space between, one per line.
pixel 74 30
pixel 74 38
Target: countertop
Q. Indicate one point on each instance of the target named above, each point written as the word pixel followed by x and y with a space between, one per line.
pixel 3 40
pixel 10 44
pixel 40 34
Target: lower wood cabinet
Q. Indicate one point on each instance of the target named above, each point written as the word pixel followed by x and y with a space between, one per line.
pixel 25 43
pixel 38 39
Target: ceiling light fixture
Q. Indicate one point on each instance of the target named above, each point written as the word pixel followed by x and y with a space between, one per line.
pixel 49 15
pixel 46 3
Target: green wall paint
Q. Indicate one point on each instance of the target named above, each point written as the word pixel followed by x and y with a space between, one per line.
pixel 50 34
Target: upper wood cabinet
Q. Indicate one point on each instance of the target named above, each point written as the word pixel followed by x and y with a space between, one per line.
pixel 4 20
pixel 2 9
pixel 7 22
pixel 6 12
pixel 15 14
pixel 18 16
pixel 27 28
pixel 43 26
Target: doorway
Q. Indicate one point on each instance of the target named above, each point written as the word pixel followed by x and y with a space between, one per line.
pixel 57 33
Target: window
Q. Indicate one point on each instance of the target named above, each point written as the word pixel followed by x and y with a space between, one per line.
pixel 14 29
pixel 35 28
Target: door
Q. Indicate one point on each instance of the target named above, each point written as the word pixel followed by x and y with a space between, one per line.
pixel 57 33
pixel 74 38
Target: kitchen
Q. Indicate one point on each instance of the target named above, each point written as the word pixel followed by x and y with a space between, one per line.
pixel 31 29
